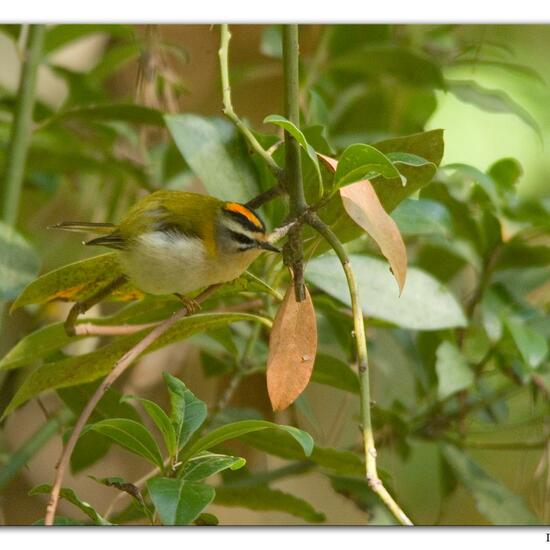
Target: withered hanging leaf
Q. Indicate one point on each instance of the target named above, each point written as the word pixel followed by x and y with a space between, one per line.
pixel 292 348
pixel 365 209
pixel 329 162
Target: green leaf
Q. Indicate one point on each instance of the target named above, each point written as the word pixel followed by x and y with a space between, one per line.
pixel 36 345
pixel 271 44
pixel 216 154
pixel 531 344
pixel 423 217
pixel 11 31
pixel 479 177
pixel 44 341
pixel 408 159
pixel 60 35
pixel 113 59
pixel 453 371
pixel 92 446
pixel 516 254
pixel 162 422
pixel 247 282
pixel 70 496
pixel 316 136
pixel 179 502
pixel 343 39
pixel 131 435
pixel 428 145
pixel 206 519
pixel 64 161
pixel 515 69
pixel 205 464
pixel 237 429
pixel 280 444
pixel 89 449
pixel 493 101
pixel 266 499
pixel 506 174
pixel 361 161
pixel 19 262
pixel 493 499
pixel 425 304
pixel 187 411
pixel 493 310
pixel 395 61
pixel 109 406
pixel 318 113
pixel 333 372
pixel 122 112
pixel 91 366
pixel 73 282
pixel 297 134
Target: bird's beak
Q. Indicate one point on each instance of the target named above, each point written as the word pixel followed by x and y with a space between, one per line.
pixel 268 246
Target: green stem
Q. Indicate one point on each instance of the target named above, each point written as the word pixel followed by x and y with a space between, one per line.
pixel 21 127
pixel 37 440
pixel 374 481
pixel 228 110
pixel 19 137
pixel 293 251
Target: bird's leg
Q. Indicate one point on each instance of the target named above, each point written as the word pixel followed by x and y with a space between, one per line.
pixel 191 305
pixel 84 305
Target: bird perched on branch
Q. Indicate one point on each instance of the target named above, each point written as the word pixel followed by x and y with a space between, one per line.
pixel 175 242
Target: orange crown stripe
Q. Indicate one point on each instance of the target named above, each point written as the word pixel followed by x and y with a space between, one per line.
pixel 250 216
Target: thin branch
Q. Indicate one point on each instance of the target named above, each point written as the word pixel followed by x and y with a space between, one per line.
pixel 120 366
pixel 89 329
pixel 228 110
pixel 272 193
pixel 375 483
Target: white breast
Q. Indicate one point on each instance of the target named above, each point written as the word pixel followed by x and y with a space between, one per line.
pixel 164 263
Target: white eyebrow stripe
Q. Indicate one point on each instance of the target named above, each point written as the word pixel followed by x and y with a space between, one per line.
pixel 236 227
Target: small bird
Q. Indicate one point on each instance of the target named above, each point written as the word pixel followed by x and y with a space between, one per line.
pixel 175 242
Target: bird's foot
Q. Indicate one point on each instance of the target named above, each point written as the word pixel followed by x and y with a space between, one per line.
pixel 191 305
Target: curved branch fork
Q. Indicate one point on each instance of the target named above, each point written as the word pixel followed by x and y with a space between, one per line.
pixel 120 366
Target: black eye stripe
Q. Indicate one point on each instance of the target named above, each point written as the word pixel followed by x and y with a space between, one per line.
pixel 243 239
pixel 245 222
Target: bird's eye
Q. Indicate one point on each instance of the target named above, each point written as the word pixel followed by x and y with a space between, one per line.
pixel 242 239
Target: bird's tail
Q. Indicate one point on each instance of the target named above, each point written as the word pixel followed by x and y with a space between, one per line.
pixel 86 227
pixel 108 234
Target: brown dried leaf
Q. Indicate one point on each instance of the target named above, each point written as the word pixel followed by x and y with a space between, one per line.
pixel 292 348
pixel 329 162
pixel 364 207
